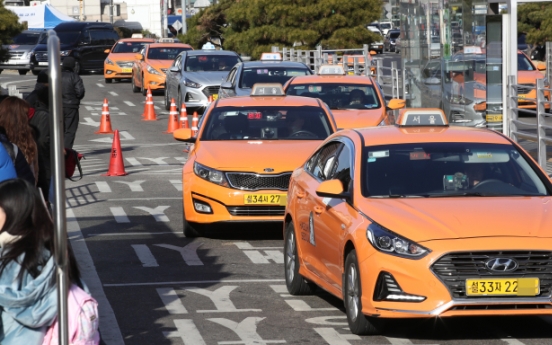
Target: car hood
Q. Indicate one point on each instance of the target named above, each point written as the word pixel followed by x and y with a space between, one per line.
pixel 207 78
pixel 529 77
pixel 159 63
pixel 122 57
pixel 255 155
pixel 18 47
pixel 465 217
pixel 356 118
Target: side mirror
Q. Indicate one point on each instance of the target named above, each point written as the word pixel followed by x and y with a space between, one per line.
pixel 373 52
pixel 332 189
pixel 226 85
pixel 184 134
pixel 396 103
pixel 107 51
pixel 541 66
pixel 174 69
pixel 139 57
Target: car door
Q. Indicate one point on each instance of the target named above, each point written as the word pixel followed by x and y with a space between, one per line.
pixel 172 78
pixel 307 207
pixel 95 51
pixel 139 64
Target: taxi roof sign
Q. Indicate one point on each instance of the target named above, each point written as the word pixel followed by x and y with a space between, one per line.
pixel 271 57
pixel 267 89
pixel 422 117
pixel 166 40
pixel 331 70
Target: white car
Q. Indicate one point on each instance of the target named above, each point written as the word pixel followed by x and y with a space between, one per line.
pixel 377 45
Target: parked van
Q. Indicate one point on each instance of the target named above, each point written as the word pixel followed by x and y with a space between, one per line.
pixel 84 41
pixel 21 49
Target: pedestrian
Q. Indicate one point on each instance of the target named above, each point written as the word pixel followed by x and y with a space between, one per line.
pixel 28 294
pixel 7 170
pixel 22 168
pixel 40 123
pixel 14 118
pixel 72 91
pixel 41 82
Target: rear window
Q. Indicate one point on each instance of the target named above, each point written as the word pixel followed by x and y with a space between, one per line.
pixel 339 95
pixel 251 76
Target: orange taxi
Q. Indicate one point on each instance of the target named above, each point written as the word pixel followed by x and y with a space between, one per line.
pixel 242 158
pixel 118 64
pixel 151 64
pixel 352 57
pixel 421 220
pixel 355 101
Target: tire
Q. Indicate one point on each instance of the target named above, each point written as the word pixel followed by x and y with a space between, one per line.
pixel 35 72
pixel 295 283
pixel 167 101
pixel 23 71
pixel 2 70
pixel 143 90
pixel 134 88
pixel 189 230
pixel 108 81
pixel 77 68
pixel 359 323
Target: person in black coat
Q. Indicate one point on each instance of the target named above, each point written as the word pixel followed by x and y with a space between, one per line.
pixel 72 91
pixel 41 82
pixel 40 122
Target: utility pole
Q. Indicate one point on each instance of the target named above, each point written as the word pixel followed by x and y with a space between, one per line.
pixel 164 21
pixel 111 11
pixel 184 25
pixel 81 10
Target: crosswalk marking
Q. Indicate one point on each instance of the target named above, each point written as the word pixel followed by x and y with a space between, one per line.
pixel 100 85
pixel 119 214
pixel 103 187
pixel 145 255
pixel 135 186
pixel 133 161
pixel 114 94
pixel 177 184
pixel 172 302
pixel 130 104
pixel 158 213
pixel 187 331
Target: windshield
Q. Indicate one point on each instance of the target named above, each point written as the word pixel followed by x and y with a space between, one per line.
pixel 129 47
pixel 26 39
pixel 339 95
pixel 267 123
pixel 448 169
pixel 385 26
pixel 165 53
pixel 210 63
pixel 65 37
pixel 251 76
pixel 394 34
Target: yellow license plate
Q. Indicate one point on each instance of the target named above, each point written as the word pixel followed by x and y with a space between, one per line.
pixel 351 72
pixel 522 96
pixel 494 118
pixel 503 287
pixel 215 96
pixel 265 199
pixel 127 70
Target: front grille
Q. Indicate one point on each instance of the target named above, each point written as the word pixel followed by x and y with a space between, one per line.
pixel 251 181
pixel 256 210
pixel 211 90
pixel 525 88
pixel 125 64
pixel 15 55
pixel 453 269
pixel 41 56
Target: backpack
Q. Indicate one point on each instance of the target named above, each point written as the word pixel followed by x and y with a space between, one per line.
pixel 72 162
pixel 83 320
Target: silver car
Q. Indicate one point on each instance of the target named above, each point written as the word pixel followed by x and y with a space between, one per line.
pixel 197 74
pixel 21 50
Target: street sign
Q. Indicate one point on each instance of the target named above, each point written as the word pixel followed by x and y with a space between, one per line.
pixel 177 25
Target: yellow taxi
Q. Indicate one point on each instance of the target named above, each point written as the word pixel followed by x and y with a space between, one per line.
pixel 243 154
pixel 118 64
pixel 151 64
pixel 355 101
pixel 421 220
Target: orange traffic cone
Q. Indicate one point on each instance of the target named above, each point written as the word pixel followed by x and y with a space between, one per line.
pixel 105 122
pixel 210 99
pixel 116 165
pixel 173 119
pixel 195 121
pixel 183 117
pixel 149 111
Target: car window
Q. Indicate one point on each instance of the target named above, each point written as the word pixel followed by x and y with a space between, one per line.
pixel 253 75
pixel 324 163
pixel 342 171
pixel 231 75
pixel 524 64
pixel 69 37
pixel 177 62
pixel 165 53
pixel 210 63
pixel 26 39
pixel 111 37
pixel 128 47
pixel 339 95
pixel 448 169
pixel 267 123
pixel 98 37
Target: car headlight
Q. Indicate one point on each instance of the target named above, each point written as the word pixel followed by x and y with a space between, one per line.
pixel 65 52
pixel 190 83
pixel 391 243
pixel 153 70
pixel 211 175
pixel 109 62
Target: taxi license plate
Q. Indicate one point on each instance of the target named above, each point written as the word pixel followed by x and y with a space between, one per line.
pixel 215 96
pixel 503 287
pixel 522 96
pixel 265 199
pixel 43 63
pixel 494 118
pixel 127 70
pixel 350 72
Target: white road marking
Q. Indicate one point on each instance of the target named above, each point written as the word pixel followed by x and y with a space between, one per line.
pixel 134 186
pixel 111 334
pixel 159 161
pixel 200 282
pixel 300 305
pixel 177 184
pixel 123 135
pixel 119 214
pixel 113 93
pixel 172 302
pixel 398 341
pixel 158 213
pixel 145 255
pixel 221 299
pixel 246 330
pixel 282 290
pixel 103 187
pixel 187 331
pixel 332 337
pixel 246 245
pixel 511 341
pixel 130 104
pixel 326 320
pixel 4 85
pixel 258 258
pixel 90 122
pixel 134 162
pixel 188 252
pixel 100 85
pixel 181 159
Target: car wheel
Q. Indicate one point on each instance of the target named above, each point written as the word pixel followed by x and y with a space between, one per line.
pixel 2 70
pixel 189 231
pixel 296 284
pixel 108 81
pixel 143 90
pixel 167 101
pixel 352 297
pixel 23 71
pixel 77 68
pixel 133 83
pixel 35 72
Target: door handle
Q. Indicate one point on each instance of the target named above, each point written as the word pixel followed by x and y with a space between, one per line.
pixel 318 209
pixel 300 195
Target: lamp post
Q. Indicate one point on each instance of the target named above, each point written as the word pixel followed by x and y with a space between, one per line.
pixel 184 25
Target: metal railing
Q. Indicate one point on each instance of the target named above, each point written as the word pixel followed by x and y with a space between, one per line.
pixel 58 178
pixel 534 132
